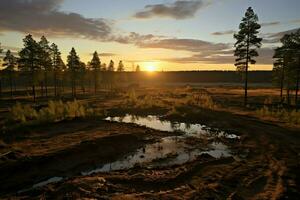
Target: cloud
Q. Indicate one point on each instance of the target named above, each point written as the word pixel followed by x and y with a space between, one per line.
pixel 275 23
pixel 43 17
pixel 178 10
pixel 229 32
pixel 107 54
pixel 191 45
pixel 275 37
pixel 224 57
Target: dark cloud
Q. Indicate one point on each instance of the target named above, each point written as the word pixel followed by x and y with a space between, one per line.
pixel 270 23
pixel 192 45
pixel 224 57
pixel 275 37
pixel 107 54
pixel 229 32
pixel 177 10
pixel 43 17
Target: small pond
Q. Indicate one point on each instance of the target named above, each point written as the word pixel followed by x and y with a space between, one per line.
pixel 195 140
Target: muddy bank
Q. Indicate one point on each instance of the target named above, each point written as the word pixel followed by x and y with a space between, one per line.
pixel 268 170
pixel 68 151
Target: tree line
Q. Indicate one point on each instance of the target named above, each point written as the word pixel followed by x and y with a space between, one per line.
pixel 286 69
pixel 40 64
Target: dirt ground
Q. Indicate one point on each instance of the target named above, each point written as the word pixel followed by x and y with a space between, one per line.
pixel 268 169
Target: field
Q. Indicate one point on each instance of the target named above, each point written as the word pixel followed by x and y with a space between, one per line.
pixel 152 143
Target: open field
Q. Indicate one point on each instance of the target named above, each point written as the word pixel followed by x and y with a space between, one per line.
pixel 237 155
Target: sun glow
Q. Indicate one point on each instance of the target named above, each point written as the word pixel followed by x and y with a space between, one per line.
pixel 150 68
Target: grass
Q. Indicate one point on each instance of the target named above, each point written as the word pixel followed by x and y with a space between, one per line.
pixel 281 114
pixel 54 112
pixel 178 97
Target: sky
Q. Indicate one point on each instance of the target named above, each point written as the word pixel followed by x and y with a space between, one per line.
pixel 165 35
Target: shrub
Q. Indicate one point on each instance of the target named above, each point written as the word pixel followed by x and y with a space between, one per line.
pixel 201 100
pixel 55 111
pixel 292 117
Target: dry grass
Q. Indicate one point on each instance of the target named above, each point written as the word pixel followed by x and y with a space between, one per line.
pixel 55 111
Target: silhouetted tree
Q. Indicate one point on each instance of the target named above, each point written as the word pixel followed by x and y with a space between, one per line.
pixel 138 69
pixel 95 65
pixel 82 75
pixel 288 63
pixel 279 70
pixel 247 44
pixel 74 66
pixel 45 60
pixel 29 61
pixel 57 66
pixel 111 66
pixel 294 48
pixel 10 64
pixel 0 74
pixel 120 66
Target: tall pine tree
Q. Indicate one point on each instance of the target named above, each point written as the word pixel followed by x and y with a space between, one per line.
pixel 29 61
pixel 10 64
pixel 74 67
pixel 247 43
pixel 95 64
pixel 57 66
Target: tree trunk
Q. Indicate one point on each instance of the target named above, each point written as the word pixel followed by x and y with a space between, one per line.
pixel 46 83
pixel 96 81
pixel 33 92
pixel 55 84
pixel 0 87
pixel 288 96
pixel 281 85
pixel 11 84
pixel 42 89
pixel 297 87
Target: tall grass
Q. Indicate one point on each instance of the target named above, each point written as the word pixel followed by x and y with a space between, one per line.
pixel 55 111
pixel 289 116
pixel 200 100
pixel 142 102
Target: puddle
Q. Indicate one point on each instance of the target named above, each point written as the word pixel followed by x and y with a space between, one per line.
pixel 172 150
pixel 43 183
pixel 50 180
pixel 152 121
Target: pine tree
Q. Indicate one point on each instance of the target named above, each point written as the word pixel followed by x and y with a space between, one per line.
pixel 74 66
pixel 120 66
pixel 10 62
pixel 111 66
pixel 29 61
pixel 45 60
pixel 96 67
pixel 0 74
pixel 82 75
pixel 137 69
pixel 57 65
pixel 247 44
pixel 279 70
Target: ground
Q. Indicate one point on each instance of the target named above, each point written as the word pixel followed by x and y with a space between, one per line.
pixel 267 168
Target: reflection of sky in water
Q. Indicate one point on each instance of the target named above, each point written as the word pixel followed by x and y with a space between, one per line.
pixel 171 150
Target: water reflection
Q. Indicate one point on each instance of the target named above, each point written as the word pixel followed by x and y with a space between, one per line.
pixel 172 150
pixel 152 121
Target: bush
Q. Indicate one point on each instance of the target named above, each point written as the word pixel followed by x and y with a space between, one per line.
pixel 201 100
pixel 292 117
pixel 55 111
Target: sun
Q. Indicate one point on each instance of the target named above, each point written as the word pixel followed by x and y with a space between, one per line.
pixel 150 68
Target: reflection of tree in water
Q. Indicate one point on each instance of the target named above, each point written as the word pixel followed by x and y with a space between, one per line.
pixel 121 118
pixel 174 126
pixel 187 126
pixel 134 118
